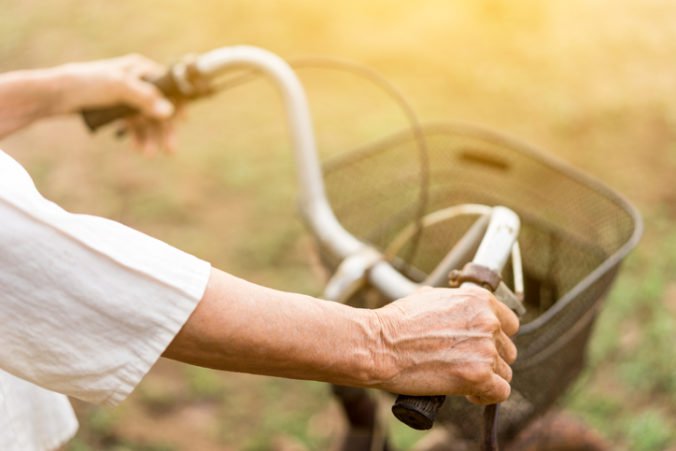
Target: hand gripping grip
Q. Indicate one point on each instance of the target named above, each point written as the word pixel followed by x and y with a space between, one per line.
pixel 420 412
pixel 98 117
pixel 181 81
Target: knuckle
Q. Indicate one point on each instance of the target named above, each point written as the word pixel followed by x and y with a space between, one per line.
pixel 491 351
pixel 486 348
pixel 477 292
pixel 482 294
pixel 488 322
pixel 118 84
pixel 144 94
pixel 477 374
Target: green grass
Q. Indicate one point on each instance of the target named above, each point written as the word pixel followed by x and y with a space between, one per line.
pixel 649 431
pixel 629 391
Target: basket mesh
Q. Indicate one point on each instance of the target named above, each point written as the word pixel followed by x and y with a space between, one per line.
pixel 574 235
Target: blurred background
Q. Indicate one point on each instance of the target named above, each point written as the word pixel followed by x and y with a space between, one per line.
pixel 592 82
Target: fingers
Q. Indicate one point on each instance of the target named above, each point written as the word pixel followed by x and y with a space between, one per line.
pixel 140 134
pixel 453 341
pixel 498 388
pixel 167 136
pixel 498 320
pixel 508 319
pixel 124 80
pixel 503 370
pixel 140 66
pixel 151 136
pixel 505 346
pixel 153 130
pixel 128 77
pixel 110 82
pixel 495 391
pixel 146 98
pixel 509 322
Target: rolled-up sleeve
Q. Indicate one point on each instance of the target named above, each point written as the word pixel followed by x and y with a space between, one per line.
pixel 87 305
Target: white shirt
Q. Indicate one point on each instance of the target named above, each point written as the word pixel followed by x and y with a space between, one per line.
pixel 87 306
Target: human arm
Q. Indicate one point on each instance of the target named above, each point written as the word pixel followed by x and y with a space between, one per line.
pixel 30 95
pixel 89 305
pixel 436 341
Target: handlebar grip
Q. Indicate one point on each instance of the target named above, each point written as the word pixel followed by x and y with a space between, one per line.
pixel 418 412
pixel 95 118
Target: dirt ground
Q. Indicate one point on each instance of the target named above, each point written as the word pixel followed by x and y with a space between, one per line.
pixel 591 82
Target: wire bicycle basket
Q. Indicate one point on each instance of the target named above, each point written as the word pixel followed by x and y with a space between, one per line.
pixel 574 234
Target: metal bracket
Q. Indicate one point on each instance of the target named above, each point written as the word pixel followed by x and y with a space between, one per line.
pixel 351 274
pixel 490 280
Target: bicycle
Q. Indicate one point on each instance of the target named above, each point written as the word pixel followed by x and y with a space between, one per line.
pixel 453 194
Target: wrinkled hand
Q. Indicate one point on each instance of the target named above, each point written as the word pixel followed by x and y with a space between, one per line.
pixel 122 81
pixel 448 341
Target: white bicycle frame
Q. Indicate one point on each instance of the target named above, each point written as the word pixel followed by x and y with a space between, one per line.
pixel 359 260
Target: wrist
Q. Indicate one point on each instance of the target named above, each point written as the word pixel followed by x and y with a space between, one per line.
pixel 379 366
pixel 59 88
pixel 28 95
pixel 44 90
pixel 352 354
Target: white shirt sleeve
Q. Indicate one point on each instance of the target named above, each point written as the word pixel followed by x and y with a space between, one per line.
pixel 32 418
pixel 87 305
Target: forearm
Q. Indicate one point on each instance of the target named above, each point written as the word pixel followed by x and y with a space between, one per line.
pixel 436 341
pixel 240 326
pixel 26 96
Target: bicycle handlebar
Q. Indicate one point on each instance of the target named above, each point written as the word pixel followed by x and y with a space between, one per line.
pixel 179 83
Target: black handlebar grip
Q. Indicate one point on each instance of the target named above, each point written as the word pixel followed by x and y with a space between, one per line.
pixel 98 117
pixel 418 412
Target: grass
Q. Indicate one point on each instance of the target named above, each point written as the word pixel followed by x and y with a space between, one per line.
pixel 629 391
pixel 592 82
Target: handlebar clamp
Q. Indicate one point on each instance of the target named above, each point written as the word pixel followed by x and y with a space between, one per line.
pixel 477 274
